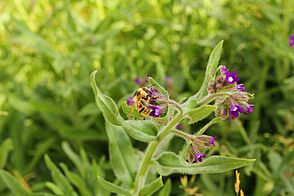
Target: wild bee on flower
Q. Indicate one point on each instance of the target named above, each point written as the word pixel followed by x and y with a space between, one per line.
pixel 148 102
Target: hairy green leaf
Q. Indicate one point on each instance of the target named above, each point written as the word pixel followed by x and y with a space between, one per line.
pixel 169 163
pixel 200 113
pixel 105 103
pixel 122 155
pixel 166 190
pixel 113 187
pixel 143 130
pixel 152 187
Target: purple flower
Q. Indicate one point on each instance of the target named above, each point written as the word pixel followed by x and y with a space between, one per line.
pixel 232 78
pixel 130 101
pixel 179 126
pixel 291 41
pixel 234 111
pixel 224 69
pixel 147 79
pixel 198 157
pixel 153 90
pixel 155 111
pixel 212 140
pixel 249 108
pixel 241 88
pixel 138 81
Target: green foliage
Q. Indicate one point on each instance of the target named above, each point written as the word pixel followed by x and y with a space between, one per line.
pixel 5 148
pixel 13 184
pixel 48 49
pixel 112 187
pixel 152 187
pixel 122 154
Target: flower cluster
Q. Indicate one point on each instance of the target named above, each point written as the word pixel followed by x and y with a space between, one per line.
pixel 236 97
pixel 200 143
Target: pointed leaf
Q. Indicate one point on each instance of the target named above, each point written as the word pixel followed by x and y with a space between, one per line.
pixel 152 187
pixel 211 69
pixel 13 184
pixel 113 187
pixel 122 154
pixel 142 130
pixel 59 178
pixel 166 190
pixel 5 148
pixel 169 163
pixel 200 113
pixel 105 103
pixel 76 180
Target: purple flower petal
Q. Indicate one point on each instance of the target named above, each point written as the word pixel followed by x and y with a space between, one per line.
pixel 291 41
pixel 179 126
pixel 232 78
pixel 212 140
pixel 155 111
pixel 223 69
pixel 138 81
pixel 249 108
pixel 198 157
pixel 234 111
pixel 241 88
pixel 130 101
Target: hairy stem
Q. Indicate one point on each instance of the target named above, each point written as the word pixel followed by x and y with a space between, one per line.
pixel 151 149
pixel 182 134
pixel 209 98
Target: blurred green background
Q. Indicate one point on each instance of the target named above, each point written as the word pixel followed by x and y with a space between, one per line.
pixel 49 48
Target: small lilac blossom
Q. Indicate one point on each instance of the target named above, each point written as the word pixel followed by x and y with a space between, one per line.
pixel 198 157
pixel 212 140
pixel 241 88
pixel 179 126
pixel 232 78
pixel 155 111
pixel 138 81
pixel 223 69
pixel 249 108
pixel 147 79
pixel 291 41
pixel 130 101
pixel 234 111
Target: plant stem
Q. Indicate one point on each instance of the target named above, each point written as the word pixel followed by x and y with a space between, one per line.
pixel 207 99
pixel 183 135
pixel 151 149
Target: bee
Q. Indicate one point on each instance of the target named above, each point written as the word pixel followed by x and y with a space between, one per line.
pixel 143 100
